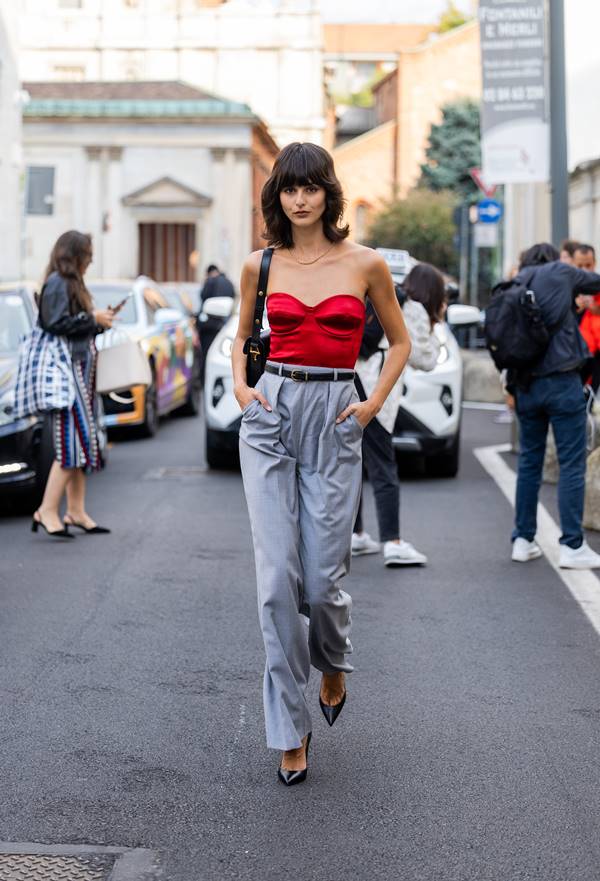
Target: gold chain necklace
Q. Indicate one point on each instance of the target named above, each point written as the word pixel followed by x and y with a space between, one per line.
pixel 310 262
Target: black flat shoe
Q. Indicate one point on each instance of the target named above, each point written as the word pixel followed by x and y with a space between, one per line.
pixel 290 778
pixel 94 530
pixel 332 712
pixel 53 533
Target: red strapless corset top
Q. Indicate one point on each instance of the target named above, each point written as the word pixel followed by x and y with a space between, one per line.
pixel 326 335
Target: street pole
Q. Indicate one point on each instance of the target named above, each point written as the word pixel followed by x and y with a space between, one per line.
pixel 464 252
pixel 559 174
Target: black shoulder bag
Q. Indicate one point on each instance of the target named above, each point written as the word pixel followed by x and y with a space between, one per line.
pixel 256 347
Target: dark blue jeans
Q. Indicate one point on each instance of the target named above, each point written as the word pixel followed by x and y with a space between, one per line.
pixel 556 400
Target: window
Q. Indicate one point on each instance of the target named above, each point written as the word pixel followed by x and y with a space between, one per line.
pixel 153 301
pixel 40 190
pixel 110 295
pixel 68 74
pixel 14 322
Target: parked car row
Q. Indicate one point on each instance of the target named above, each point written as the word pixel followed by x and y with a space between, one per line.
pixel 166 330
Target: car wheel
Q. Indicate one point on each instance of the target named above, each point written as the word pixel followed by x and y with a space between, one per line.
pixel 216 455
pixel 149 426
pixel 445 464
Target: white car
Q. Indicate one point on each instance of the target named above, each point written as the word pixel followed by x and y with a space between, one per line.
pixel 429 415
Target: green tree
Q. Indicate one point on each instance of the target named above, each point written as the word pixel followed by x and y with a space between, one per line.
pixel 451 18
pixel 454 148
pixel 422 224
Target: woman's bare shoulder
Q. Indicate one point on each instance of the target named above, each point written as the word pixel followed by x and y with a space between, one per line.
pixel 368 259
pixel 252 263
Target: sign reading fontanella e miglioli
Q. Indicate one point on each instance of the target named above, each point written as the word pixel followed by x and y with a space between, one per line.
pixel 514 118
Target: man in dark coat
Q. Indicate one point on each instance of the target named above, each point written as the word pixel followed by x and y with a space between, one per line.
pixel 216 284
pixel 551 393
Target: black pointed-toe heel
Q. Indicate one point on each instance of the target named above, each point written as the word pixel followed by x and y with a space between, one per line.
pixel 332 712
pixel 92 530
pixel 53 533
pixel 290 778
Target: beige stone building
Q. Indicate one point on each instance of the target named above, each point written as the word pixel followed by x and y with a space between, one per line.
pixel 162 175
pixel 262 53
pixel 10 147
pixel 408 100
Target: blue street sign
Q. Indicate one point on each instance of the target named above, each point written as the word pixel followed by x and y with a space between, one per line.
pixel 489 211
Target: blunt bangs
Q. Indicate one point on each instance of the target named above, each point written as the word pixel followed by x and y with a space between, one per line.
pixel 301 168
pixel 302 165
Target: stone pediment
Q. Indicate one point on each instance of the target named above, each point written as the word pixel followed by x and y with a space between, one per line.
pixel 166 193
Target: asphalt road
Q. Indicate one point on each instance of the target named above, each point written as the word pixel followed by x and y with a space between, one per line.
pixel 130 687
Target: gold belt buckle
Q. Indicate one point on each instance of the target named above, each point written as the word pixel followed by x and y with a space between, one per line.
pixel 299 375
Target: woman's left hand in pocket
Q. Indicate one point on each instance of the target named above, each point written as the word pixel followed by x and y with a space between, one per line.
pixel 362 411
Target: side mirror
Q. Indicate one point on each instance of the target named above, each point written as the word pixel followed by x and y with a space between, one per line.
pixel 460 315
pixel 163 317
pixel 218 307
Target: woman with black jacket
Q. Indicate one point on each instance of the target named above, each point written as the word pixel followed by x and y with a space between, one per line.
pixel 66 310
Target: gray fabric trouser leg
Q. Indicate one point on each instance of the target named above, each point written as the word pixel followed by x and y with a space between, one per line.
pixel 302 478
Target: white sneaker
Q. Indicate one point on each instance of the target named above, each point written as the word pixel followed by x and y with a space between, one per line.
pixel 402 554
pixel 582 557
pixel 363 544
pixel 523 551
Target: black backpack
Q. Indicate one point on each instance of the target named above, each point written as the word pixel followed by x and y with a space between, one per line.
pixel 515 332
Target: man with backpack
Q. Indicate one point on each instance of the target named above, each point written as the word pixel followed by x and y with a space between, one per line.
pixel 532 330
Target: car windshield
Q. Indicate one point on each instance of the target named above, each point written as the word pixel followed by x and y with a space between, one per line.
pixel 173 298
pixel 110 295
pixel 14 322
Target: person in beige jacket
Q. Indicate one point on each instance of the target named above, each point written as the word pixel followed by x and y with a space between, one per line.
pixel 424 305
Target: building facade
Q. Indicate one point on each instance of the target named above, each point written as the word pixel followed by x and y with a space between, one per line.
pixel 10 148
pixel 386 160
pixel 162 175
pixel 256 52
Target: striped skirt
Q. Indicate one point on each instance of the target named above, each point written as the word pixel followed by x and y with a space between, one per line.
pixel 74 431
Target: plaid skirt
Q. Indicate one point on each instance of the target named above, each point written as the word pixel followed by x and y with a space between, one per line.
pixel 74 431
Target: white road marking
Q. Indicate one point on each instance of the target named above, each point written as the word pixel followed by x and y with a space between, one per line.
pixel 583 584
pixel 478 405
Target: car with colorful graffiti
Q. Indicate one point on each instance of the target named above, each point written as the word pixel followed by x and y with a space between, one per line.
pixel 166 337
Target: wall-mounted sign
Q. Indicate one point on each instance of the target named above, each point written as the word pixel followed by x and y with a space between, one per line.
pixel 514 123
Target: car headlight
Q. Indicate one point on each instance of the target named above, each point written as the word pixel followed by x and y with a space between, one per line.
pixel 444 355
pixel 226 347
pixel 7 403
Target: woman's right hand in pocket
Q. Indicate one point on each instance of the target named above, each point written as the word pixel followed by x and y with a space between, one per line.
pixel 245 395
pixel 104 317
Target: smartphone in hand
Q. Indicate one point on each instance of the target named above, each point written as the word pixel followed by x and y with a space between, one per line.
pixel 120 305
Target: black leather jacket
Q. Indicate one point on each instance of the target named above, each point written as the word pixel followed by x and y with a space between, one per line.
pixel 56 317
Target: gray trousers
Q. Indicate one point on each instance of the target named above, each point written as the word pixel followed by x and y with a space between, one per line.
pixel 302 478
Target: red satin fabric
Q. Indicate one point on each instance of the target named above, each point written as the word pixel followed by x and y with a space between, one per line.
pixel 326 335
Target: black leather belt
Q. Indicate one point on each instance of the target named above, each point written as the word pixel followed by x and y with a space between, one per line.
pixel 299 375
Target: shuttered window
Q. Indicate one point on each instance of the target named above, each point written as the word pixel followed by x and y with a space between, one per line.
pixel 40 190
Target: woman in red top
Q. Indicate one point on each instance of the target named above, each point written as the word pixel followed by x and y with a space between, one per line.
pixel 300 438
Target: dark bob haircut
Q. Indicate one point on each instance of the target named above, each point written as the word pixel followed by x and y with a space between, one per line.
pixel 425 284
pixel 300 165
pixel 539 254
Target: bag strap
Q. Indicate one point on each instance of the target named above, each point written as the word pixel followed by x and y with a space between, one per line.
pixel 261 293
